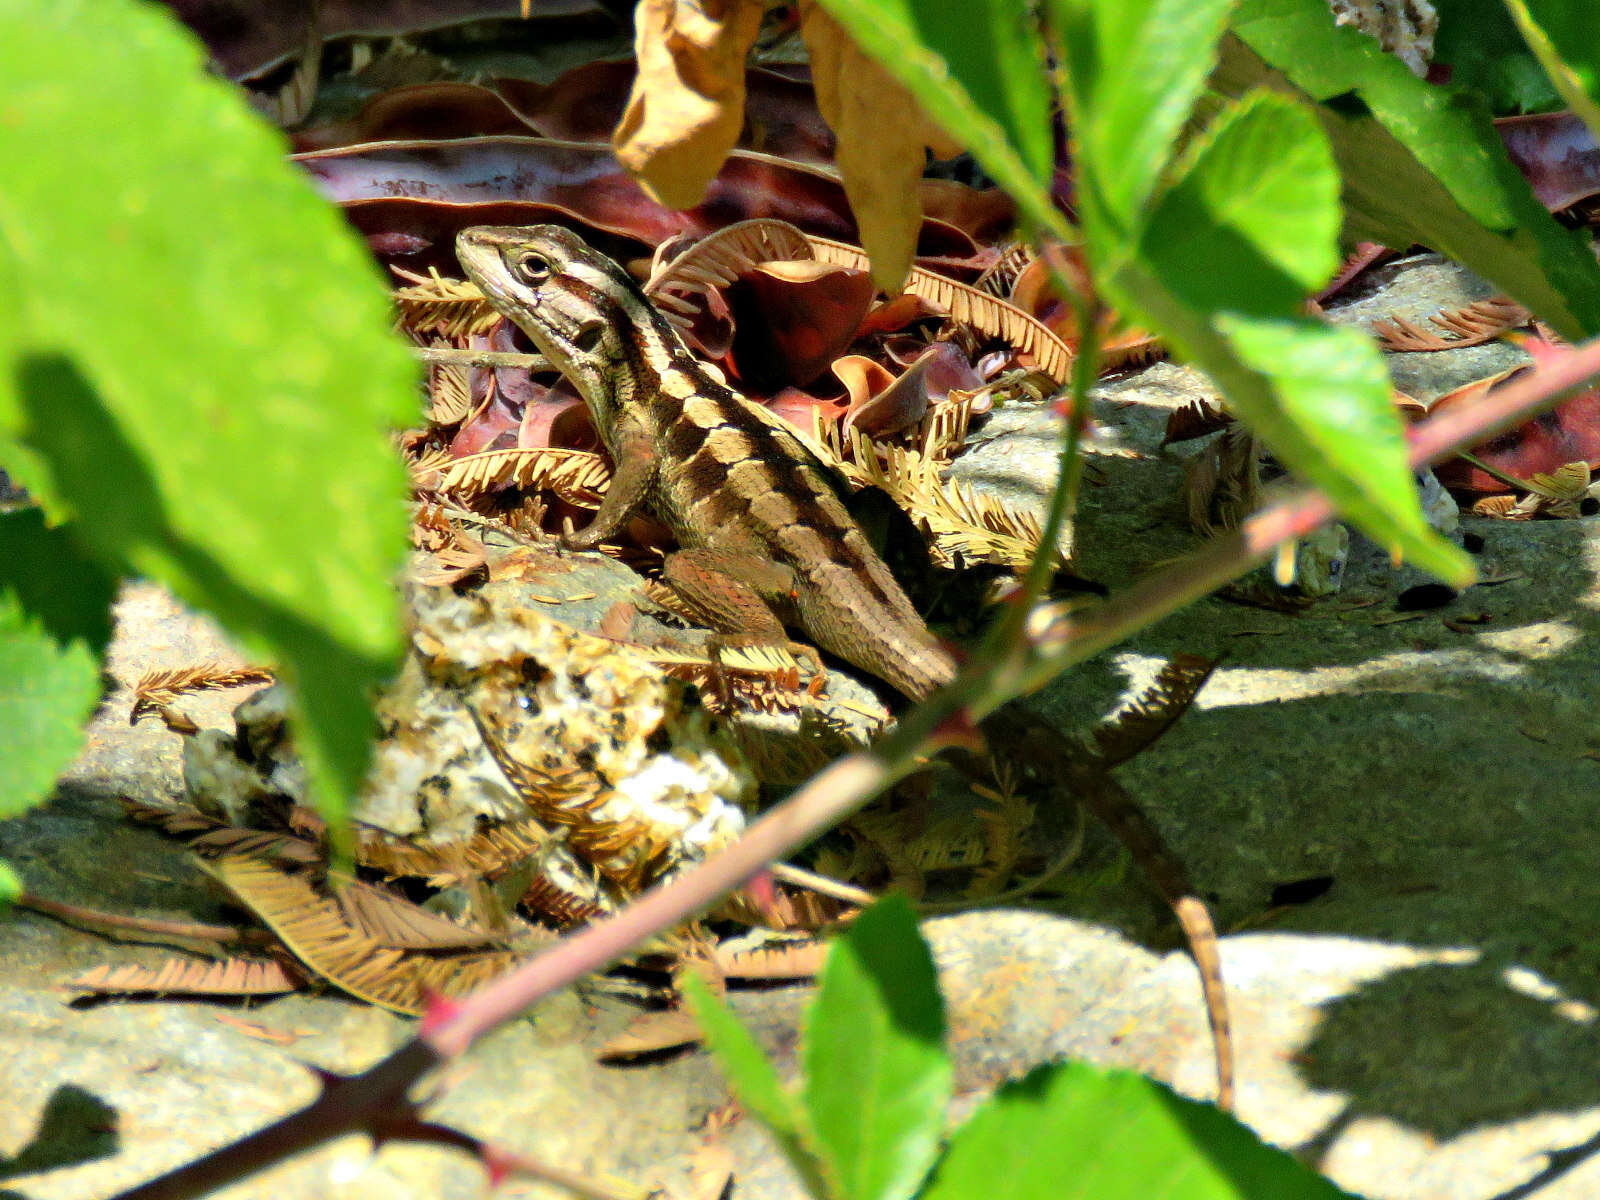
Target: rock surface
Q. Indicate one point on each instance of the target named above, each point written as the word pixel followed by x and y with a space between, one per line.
pixel 1424 1030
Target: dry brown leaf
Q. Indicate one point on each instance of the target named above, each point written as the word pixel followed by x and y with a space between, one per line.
pixel 966 526
pixel 967 305
pixel 1141 720
pixel 1001 276
pixel 717 259
pixel 450 392
pixel 579 477
pixel 1502 506
pixel 1567 482
pixel 311 925
pixel 157 689
pixel 687 104
pixel 451 308
pixel 489 852
pixel 190 977
pixel 262 1033
pixel 651 1033
pixel 881 131
pixel 1004 825
pixel 390 920
pixel 1471 325
pixel 1482 320
pixel 796 960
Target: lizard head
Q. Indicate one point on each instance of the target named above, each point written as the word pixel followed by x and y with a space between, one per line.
pixel 574 302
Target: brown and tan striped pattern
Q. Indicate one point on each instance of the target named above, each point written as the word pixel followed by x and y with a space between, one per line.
pixel 766 542
pixel 726 476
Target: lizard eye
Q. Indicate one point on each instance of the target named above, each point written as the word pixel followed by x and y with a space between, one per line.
pixel 533 268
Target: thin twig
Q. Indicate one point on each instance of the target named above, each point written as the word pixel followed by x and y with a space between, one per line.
pixel 97 921
pixel 450 357
pixel 360 1103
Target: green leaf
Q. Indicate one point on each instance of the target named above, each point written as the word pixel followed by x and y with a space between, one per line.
pixel 54 580
pixel 1480 44
pixel 877 1077
pixel 1072 1131
pixel 1561 36
pixel 1253 220
pixel 756 1084
pixel 1419 162
pixel 47 689
pixel 996 53
pixel 982 80
pixel 10 886
pixel 1134 71
pixel 1247 228
pixel 206 375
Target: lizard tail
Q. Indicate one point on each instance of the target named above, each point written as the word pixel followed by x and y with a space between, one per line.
pixel 1111 803
pixel 1089 776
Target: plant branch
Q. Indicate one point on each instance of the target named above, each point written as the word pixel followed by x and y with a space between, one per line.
pixel 369 1101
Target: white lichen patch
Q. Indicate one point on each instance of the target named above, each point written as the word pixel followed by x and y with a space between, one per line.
pixel 501 714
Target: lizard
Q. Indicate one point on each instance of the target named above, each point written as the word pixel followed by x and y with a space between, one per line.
pixel 765 543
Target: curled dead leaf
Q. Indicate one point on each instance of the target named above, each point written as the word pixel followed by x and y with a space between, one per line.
pixel 687 104
pixel 881 132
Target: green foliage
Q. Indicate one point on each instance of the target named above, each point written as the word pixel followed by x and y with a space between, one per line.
pixel 874 1057
pixel 10 887
pixel 1561 36
pixel 1419 163
pixel 54 623
pixel 1134 71
pixel 757 1085
pixel 1215 249
pixel 1247 227
pixel 877 1078
pixel 1101 1135
pixel 1479 42
pixel 199 371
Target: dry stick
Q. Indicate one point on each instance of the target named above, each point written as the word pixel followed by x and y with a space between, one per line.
pixel 368 1102
pixel 446 356
pixel 100 921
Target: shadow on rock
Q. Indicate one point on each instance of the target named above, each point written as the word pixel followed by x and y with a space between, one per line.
pixel 1483 1044
pixel 75 1127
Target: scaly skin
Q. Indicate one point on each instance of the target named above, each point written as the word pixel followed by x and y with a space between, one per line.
pixel 761 526
pixel 766 543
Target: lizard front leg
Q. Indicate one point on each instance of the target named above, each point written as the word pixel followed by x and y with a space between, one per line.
pixel 735 593
pixel 633 470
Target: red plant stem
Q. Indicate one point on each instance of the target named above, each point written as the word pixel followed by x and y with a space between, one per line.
pixel 366 1101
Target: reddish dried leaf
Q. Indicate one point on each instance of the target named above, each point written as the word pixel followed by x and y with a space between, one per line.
pixel 896 313
pixel 416 196
pixel 422 111
pixel 796 406
pixel 191 977
pixel 1038 294
pixel 792 319
pixel 1557 154
pixel 1569 432
pixel 940 369
pixel 247 36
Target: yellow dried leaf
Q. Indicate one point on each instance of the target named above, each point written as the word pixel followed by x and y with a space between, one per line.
pixel 881 132
pixel 687 104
